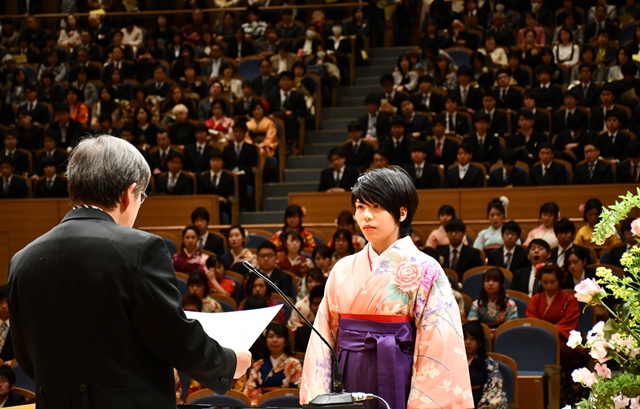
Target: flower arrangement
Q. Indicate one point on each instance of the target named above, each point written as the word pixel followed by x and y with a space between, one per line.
pixel 618 338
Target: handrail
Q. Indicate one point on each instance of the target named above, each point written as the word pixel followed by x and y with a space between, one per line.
pixel 189 11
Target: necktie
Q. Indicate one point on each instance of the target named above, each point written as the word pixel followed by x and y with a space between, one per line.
pixel 507 260
pixel 172 182
pixel 502 94
pixel 481 142
pixel 30 107
pixel 3 334
pixel 454 259
pixel 158 86
pixel 634 174
pixel 355 147
pixel 214 180
pixel 452 126
pixel 200 149
pixel 438 149
pixel 544 170
pixel 585 89
pixel 247 104
pixel 5 186
pixel 49 184
pixel 408 120
pixel 425 102
pixel 592 167
pixel 464 96
pixel 200 243
pixel 560 258
pixel 418 172
pixel 237 150
pixel 163 156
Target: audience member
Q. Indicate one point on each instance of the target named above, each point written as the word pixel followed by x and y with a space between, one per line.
pixel 190 258
pixel 424 175
pixel 627 171
pixel 241 158
pixel 549 213
pixel 565 231
pixel 510 173
pixel 560 117
pixel 527 140
pixel 182 132
pixel 547 172
pixel 341 244
pixel 220 126
pixel 323 259
pixel 526 279
pixel 200 218
pixel 486 146
pixel 397 145
pixel 293 215
pixel 613 144
pixel 216 181
pixel 198 284
pixel 338 177
pixel 577 259
pixel 50 185
pixel 455 124
pixel 456 255
pixel 587 91
pixel 591 215
pixel 293 260
pixel 267 265
pixel 493 307
pixel 440 149
pixel 592 170
pixel 490 238
pixel 7 383
pixel 21 160
pixel 50 150
pixel 510 255
pixel 175 182
pixel 569 144
pixel 311 303
pixel 464 174
pixel 288 105
pixel 238 253
pixel 376 124
pixel 439 237
pixel 358 153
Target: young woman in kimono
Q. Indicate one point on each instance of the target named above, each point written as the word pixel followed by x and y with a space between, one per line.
pixel 389 311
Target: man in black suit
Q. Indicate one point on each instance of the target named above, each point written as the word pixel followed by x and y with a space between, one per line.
pixel 613 144
pixel 470 97
pixel 498 121
pixel 526 141
pixel 548 95
pixel 6 349
pixel 614 255
pixel 424 175
pixel 486 146
pixel 541 118
pixel 473 16
pixel 175 182
pixel 86 43
pixel 440 149
pixel 338 177
pixel 416 126
pixel 588 93
pixel 29 135
pixel 628 171
pixel 216 181
pixel 265 83
pixel 288 105
pixel 67 129
pixel 560 117
pixel 100 33
pixel 159 86
pixel 267 253
pixel 547 172
pixel 425 100
pixel 8 377
pixel 599 113
pixel 117 61
pixel 524 279
pixel 455 125
pixel 240 158
pixel 572 140
pixel 389 97
pixel 50 151
pixel 508 97
pixel 200 217
pixel 358 153
pixel 508 175
pixel 122 286
pixel 565 232
pixel 376 124
pixel 464 174
pixel 592 171
pixel 397 145
pixel 13 187
pixel 196 154
pixel 39 113
pixel 51 184
pixel 182 132
pixel 93 72
pixel 458 256
pixel 244 106
pixel 601 25
pixel 32 31
pixel 510 255
pixel 158 158
pixel 20 159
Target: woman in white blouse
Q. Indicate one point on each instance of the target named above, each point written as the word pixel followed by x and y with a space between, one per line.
pixel 566 52
pixel 70 35
pixel 405 78
pixel 496 54
pixel 230 84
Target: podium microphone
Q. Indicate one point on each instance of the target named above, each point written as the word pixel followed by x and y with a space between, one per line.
pixel 338 397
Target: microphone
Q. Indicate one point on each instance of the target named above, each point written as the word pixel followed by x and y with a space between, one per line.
pixel 338 395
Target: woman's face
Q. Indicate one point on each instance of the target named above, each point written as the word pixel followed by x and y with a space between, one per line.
pixel 565 36
pixel 293 244
pixel 592 217
pixel 275 344
pixel 377 224
pixel 115 77
pixel 258 112
pixel 71 21
pixel 259 288
pixel 197 289
pixel 176 94
pixel 529 38
pixel 341 245
pixel 546 58
pixel 587 56
pixel 531 22
pixel 190 240
pixel 235 239
pixel 228 72
pixel 444 218
pixel 322 263
pixel 490 44
pixel 142 116
pixel 405 64
pixel 622 57
pixel 496 218
pixel 293 222
pixel 21 76
pixel 82 78
pixel 491 286
pixel 548 219
pixel 470 346
pixel 72 98
pixel 575 265
pixel 219 270
pixel 550 284
pixel 442 65
pixel 104 95
pixel 217 111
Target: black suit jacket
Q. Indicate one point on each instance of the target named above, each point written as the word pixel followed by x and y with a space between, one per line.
pixel 602 174
pixel 490 151
pixel 436 102
pixel 21 161
pixel 18 189
pixel 226 186
pixel 182 133
pixel 623 172
pixel 519 258
pixel 564 138
pixel 615 150
pixel 399 156
pixel 468 259
pixel 294 103
pixel 247 159
pixel 59 157
pixel 74 130
pixel 597 118
pixel 153 159
pixel 93 72
pixel 560 122
pixel 592 99
pixel 214 244
pixel 499 123
pixel 59 188
pixel 152 89
pixel 448 154
pixel 327 181
pixel 183 186
pixel 569 281
pixel 461 124
pixel 430 178
pixel 361 159
pixel 521 281
pixel 383 125
pixel 194 162
pixel 555 175
pixel 119 282
pixel 474 97
pixel 473 178
pixel 247 49
pixel 31 138
pixel 518 142
pixel 39 113
pixel 548 97
pixel 512 100
pixel 419 124
pixel 7 353
pixel 126 71
pixel 615 254
pixel 238 107
pixel 518 177
pixel 283 281
pixel 264 88
pixel 553 256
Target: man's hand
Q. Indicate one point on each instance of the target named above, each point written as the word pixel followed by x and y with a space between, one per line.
pixel 243 363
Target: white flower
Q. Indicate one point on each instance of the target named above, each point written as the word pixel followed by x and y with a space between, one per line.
pixel 596 332
pixel 598 351
pixel 603 371
pixel 620 402
pixel 575 339
pixel 584 376
pixel 635 404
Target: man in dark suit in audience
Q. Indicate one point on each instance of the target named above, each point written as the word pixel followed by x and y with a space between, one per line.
pixel 588 93
pixel 601 25
pixel 265 83
pixel 547 172
pixel 196 154
pixel 397 146
pixel 524 279
pixel 526 140
pixel 358 153
pixel 289 105
pixel 573 139
pixel 613 143
pixel 20 159
pixel 50 151
pixel 39 113
pixel 424 174
pixel 565 231
pixel 508 175
pixel 68 130
pixel 376 124
pixel 175 182
pixel 464 174
pixel 599 113
pixel 51 185
pixel 498 121
pixel 158 158
pixel 182 132
pixel 425 100
pixel 13 187
pixel 127 71
pixel 548 95
pixel 200 217
pixel 592 171
pixel 440 149
pixel 389 97
pixel 486 146
pixel 417 126
pixel 29 135
pixel 468 96
pixel 458 256
pixel 628 171
pixel 510 255
pixel 216 181
pixel 338 177
pixel 455 124
pixel 93 73
pixel 267 253
pixel 631 240
pixel 541 118
pixel 559 119
pixel 508 97
pixel 159 86
pixel 244 105
pixel 6 349
pixel 240 158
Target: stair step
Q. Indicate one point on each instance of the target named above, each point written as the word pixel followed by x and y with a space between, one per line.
pixel 371 71
pixel 321 148
pixel 352 101
pixel 335 124
pixel 372 80
pixel 275 204
pixel 326 136
pixel 307 161
pixel 261 217
pixel 283 189
pixel 390 51
pixel 302 175
pixel 385 62
pixel 359 91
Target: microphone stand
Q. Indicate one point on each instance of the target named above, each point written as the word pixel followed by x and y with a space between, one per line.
pixel 338 398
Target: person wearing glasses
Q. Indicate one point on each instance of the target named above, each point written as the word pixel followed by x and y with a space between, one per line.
pixel 117 329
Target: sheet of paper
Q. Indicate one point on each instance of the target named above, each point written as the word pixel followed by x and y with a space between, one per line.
pixel 235 329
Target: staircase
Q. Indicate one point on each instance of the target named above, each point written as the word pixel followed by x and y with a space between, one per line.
pixel 303 172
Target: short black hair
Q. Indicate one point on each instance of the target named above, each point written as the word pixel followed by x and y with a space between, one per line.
pixel 192 299
pixel 391 188
pixel 633 148
pixel 481 116
pixel 447 210
pixel 550 207
pixel 386 78
pixel 316 292
pixel 7 372
pixel 455 225
pixel 286 74
pixel 425 78
pixel 240 125
pixel 8 160
pixel 4 292
pixel 372 99
pixel 528 115
pixel 511 226
pixel 355 126
pixel 510 157
pixel 399 122
pixel 199 277
pixel 268 245
pixel 200 212
pixel 541 243
pixel 173 155
pixel 564 225
pixel 323 250
pixel 612 114
pixel 215 154
pixel 626 224
pixel 336 150
pixel 545 145
pixel 418 146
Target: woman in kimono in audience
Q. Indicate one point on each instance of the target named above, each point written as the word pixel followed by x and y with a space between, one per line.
pixel 389 311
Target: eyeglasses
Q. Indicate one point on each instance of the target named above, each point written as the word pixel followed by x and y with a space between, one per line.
pixel 143 197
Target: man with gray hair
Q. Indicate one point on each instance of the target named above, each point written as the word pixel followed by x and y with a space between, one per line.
pixel 96 316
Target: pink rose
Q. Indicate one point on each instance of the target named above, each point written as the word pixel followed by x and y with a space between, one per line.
pixel 587 289
pixel 407 276
pixel 635 227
